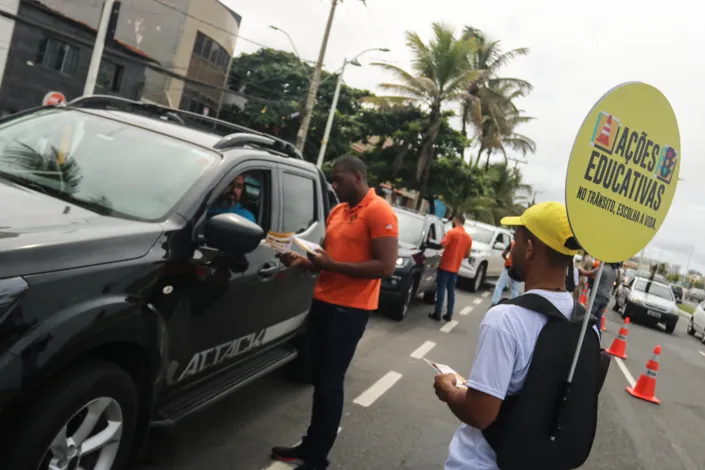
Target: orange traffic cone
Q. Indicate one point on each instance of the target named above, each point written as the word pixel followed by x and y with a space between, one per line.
pixel 619 345
pixel 645 387
pixel 583 297
pixel 603 327
pixel 604 137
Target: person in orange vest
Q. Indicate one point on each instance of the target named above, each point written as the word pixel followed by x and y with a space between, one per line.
pixel 504 279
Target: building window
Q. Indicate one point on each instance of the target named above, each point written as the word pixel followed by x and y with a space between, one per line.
pixel 198 103
pixel 110 75
pixel 58 55
pixel 210 51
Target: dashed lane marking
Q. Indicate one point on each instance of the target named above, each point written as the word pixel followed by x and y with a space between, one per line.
pixel 277 465
pixel 466 310
pixel 485 294
pixel 625 371
pixel 422 350
pixel 702 353
pixel 448 327
pixel 477 301
pixel 369 396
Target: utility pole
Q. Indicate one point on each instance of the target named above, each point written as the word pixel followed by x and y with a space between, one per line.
pixel 315 82
pixel 331 116
pixel 687 266
pixel 108 16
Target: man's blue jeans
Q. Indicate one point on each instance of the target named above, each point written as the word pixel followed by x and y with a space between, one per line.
pixel 502 282
pixel 445 280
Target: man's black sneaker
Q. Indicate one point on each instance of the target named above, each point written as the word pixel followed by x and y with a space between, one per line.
pixel 434 316
pixel 447 317
pixel 312 466
pixel 294 455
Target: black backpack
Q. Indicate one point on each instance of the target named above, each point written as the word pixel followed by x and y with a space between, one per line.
pixel 550 424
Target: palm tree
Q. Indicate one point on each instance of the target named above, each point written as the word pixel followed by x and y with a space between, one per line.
pixel 489 103
pixel 440 75
pixel 20 159
pixel 507 195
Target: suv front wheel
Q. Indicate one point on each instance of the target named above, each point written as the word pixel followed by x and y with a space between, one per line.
pixel 85 419
pixel 479 279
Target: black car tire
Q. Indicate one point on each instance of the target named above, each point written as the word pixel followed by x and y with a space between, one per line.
pixel 671 327
pixel 398 310
pixel 300 368
pixel 479 280
pixel 702 338
pixel 59 401
pixel 691 329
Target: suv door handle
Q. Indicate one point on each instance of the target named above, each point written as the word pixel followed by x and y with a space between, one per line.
pixel 267 270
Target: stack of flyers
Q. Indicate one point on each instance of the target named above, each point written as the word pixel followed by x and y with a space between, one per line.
pixel 280 242
pixel 307 246
pixel 444 369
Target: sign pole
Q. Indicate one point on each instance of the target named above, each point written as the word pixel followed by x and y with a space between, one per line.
pixel 586 321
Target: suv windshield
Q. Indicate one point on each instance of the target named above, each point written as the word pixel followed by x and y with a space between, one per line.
pixel 479 234
pixel 410 228
pixel 103 165
pixel 659 290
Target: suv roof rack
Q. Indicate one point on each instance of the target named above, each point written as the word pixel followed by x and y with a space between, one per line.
pixel 233 135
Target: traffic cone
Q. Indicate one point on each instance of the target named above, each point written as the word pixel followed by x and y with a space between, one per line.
pixel 645 387
pixel 583 296
pixel 604 137
pixel 603 327
pixel 619 345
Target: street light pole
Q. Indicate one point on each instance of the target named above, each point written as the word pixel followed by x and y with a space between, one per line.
pixel 315 82
pixel 334 104
pixel 687 266
pixel 98 48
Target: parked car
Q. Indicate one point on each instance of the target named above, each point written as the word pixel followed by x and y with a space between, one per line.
pixel 677 293
pixel 420 248
pixel 485 262
pixel 124 304
pixel 649 302
pixel 696 295
pixel 697 322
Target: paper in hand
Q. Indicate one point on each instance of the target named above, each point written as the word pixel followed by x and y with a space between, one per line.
pixel 444 369
pixel 307 246
pixel 279 242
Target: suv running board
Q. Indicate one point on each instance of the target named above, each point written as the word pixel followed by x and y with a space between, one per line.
pixel 229 381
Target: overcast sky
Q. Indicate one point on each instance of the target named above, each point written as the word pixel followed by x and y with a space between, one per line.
pixel 579 50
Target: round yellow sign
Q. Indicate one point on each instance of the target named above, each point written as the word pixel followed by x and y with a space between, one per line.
pixel 623 172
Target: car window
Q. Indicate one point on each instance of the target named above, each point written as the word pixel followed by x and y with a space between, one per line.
pixel 299 202
pixel 658 290
pixel 248 194
pixel 410 227
pixel 103 165
pixel 505 239
pixel 479 234
pixel 433 233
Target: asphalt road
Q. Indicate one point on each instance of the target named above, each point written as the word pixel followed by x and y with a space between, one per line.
pixel 393 420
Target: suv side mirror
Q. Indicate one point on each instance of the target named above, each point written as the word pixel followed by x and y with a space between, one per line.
pixel 433 245
pixel 500 246
pixel 232 234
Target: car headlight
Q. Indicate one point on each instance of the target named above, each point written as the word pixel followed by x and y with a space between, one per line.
pixel 636 300
pixel 11 291
pixel 402 262
pixel 471 261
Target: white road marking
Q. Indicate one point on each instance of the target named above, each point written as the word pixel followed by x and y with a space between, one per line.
pixel 448 327
pixel 625 371
pixel 466 310
pixel 485 294
pixel 378 389
pixel 277 465
pixel 422 350
pixel 477 301
pixel 702 353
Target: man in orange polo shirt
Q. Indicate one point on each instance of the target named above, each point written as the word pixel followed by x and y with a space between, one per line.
pixel 360 248
pixel 457 244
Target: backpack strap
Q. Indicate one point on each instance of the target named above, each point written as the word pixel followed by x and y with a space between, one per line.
pixel 538 304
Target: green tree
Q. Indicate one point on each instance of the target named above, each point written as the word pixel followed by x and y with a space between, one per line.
pixel 275 84
pixel 439 76
pixel 506 195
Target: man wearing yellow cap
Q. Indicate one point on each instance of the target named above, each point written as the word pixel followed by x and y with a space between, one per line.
pixel 543 249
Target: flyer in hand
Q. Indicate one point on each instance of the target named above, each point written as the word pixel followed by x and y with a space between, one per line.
pixel 280 242
pixel 307 246
pixel 444 369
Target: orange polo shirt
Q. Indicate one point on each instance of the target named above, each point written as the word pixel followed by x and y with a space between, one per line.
pixel 457 243
pixel 508 261
pixel 349 235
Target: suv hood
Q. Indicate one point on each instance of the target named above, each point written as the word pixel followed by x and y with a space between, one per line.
pixel 39 233
pixel 479 246
pixel 407 249
pixel 652 301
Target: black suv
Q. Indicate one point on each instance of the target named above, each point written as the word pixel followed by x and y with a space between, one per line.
pixel 126 301
pixel 420 239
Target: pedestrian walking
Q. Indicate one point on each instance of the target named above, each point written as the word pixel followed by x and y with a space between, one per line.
pixel 360 248
pixel 504 278
pixel 457 244
pixel 604 289
pixel 543 250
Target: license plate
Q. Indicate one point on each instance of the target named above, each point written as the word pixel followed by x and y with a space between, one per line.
pixel 654 314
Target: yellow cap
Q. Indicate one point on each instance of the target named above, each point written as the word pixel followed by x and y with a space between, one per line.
pixel 548 221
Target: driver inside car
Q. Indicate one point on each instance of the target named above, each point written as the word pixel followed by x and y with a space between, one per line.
pixel 230 201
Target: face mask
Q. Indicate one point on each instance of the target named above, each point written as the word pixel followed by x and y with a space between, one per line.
pixel 514 275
